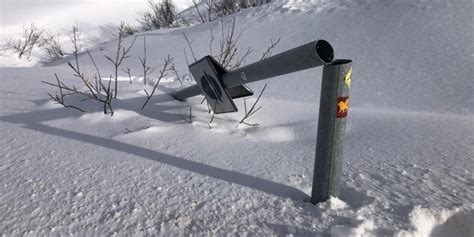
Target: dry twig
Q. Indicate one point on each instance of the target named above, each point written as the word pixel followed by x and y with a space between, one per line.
pixel 252 109
pixel 127 70
pixel 121 53
pixel 162 74
pixel 268 52
pixel 190 42
pixel 146 68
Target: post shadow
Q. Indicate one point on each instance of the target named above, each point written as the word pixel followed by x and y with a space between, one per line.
pixel 267 186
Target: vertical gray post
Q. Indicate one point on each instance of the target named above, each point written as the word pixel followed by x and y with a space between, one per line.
pixel 333 110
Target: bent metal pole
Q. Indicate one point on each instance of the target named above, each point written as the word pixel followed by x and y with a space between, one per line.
pixel 313 54
pixel 333 111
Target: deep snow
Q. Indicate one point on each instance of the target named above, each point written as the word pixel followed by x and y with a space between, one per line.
pixel 409 144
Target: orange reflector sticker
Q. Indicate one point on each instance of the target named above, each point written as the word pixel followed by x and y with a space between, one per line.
pixel 342 107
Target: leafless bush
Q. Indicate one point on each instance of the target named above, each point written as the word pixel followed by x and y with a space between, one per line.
pixel 167 12
pixel 225 7
pixel 106 99
pixel 228 52
pixel 121 54
pixel 94 87
pixel 245 4
pixel 129 30
pixel 167 62
pixel 161 14
pixel 208 6
pixel 108 32
pixel 51 46
pixel 251 3
pixel 59 99
pixel 230 57
pixel 31 37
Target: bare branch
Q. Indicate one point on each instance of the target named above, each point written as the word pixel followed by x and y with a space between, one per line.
pixel 198 11
pixel 176 74
pixel 161 14
pixel 31 37
pixel 59 99
pixel 268 52
pixel 121 53
pixel 185 36
pixel 97 84
pixel 252 109
pixel 163 71
pixel 146 68
pixel 51 46
pixel 129 74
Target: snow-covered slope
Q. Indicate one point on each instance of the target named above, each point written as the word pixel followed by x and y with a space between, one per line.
pixel 60 15
pixel 408 152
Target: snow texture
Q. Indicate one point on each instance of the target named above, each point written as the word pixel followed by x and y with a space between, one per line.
pixel 409 145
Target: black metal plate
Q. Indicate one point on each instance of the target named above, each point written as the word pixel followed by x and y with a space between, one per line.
pixel 211 86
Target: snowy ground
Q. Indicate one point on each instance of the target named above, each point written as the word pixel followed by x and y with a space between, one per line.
pixel 409 148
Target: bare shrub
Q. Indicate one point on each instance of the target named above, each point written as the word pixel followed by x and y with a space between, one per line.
pixel 59 99
pixel 130 30
pixel 225 7
pixel 208 6
pixel 167 12
pixel 148 21
pixel 246 3
pixel 93 89
pixel 229 55
pixel 72 90
pixel 231 58
pixel 51 46
pixel 161 14
pixel 108 32
pixel 31 37
pixel 120 55
pixel 228 52
pixel 251 3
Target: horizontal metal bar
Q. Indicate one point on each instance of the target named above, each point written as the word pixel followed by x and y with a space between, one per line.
pixel 314 54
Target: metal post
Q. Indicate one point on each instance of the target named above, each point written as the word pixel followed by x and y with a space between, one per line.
pixel 333 110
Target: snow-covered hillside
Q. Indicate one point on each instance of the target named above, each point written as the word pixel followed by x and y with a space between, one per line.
pixel 409 148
